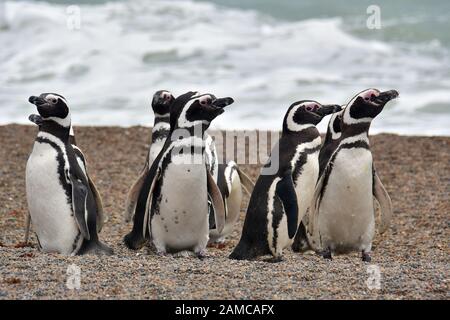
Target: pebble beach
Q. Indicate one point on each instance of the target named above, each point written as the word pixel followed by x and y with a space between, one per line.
pixel 412 257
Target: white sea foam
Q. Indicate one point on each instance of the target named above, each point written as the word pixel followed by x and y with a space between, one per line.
pixel 124 51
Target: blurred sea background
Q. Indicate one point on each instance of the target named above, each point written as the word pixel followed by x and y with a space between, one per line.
pixel 265 54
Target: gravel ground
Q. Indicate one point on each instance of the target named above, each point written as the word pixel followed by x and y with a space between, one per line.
pixel 412 256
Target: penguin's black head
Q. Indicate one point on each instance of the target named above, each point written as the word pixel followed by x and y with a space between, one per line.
pixel 161 102
pixel 366 105
pixel 306 113
pixel 201 109
pixel 51 106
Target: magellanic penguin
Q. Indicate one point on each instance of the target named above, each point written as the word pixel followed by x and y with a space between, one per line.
pixel 330 144
pixel 342 216
pixel 173 203
pixel 63 206
pixel 230 189
pixel 230 181
pixel 37 119
pixel 161 103
pixel 280 199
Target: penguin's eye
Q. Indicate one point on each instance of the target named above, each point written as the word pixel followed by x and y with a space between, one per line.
pixel 206 101
pixel 54 100
pixel 309 108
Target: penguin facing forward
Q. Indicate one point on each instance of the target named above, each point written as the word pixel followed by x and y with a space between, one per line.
pixel 330 144
pixel 175 219
pixel 342 214
pixel 161 103
pixel 280 200
pixel 231 180
pixel 63 207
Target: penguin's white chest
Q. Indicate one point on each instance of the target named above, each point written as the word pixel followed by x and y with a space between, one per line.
pixel 346 213
pixel 182 222
pixel 305 183
pixel 49 207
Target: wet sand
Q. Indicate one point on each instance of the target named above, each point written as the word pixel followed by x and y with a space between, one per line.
pixel 413 256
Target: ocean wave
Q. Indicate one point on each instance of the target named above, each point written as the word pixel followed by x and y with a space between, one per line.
pixel 124 51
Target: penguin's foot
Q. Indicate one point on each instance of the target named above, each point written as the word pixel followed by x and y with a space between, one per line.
pixel 134 241
pixel 160 253
pixel 274 259
pixel 365 256
pixel 183 254
pixel 95 247
pixel 326 254
pixel 201 254
pixel 300 246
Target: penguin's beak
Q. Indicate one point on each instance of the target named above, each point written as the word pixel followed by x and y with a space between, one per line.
pixel 37 101
pixel 385 96
pixel 222 102
pixel 36 119
pixel 327 109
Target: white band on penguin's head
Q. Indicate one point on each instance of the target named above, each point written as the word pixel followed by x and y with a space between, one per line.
pixel 183 122
pixel 347 118
pixel 294 126
pixel 64 122
pixel 334 117
pixel 51 96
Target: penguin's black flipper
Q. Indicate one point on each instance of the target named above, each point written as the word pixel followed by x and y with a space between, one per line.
pixel 148 206
pixel 99 204
pixel 79 203
pixel 311 220
pixel 217 202
pixel 133 194
pixel 285 190
pixel 384 200
pixel 246 182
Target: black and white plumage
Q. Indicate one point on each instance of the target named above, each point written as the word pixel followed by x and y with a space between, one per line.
pixel 329 145
pixel 280 199
pixel 173 203
pixel 64 205
pixel 161 103
pixel 342 214
pixel 230 180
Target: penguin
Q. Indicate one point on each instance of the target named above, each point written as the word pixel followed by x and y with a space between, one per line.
pixel 161 103
pixel 177 220
pixel 329 145
pixel 231 180
pixel 37 119
pixel 342 214
pixel 280 199
pixel 161 106
pixel 63 206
